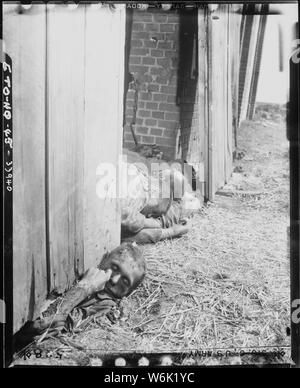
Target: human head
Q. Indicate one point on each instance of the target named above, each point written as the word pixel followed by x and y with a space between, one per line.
pixel 128 269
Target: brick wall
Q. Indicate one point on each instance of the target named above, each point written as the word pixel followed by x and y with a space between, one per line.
pixel 153 60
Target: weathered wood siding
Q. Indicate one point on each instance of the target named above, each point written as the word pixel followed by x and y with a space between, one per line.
pixel 218 88
pixel 65 125
pixel 103 128
pixel 218 83
pixel 29 227
pixel 203 151
pixel 68 110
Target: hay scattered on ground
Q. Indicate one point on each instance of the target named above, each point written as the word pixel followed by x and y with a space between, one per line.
pixel 226 283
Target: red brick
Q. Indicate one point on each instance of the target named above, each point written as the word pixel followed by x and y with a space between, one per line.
pixel 141 105
pixel 157 53
pixel 162 80
pixel 160 97
pixel 173 17
pixel 144 113
pixel 153 87
pixel 140 35
pixel 171 53
pixel 164 45
pixel 167 124
pixel 158 71
pixel 128 119
pixel 142 130
pixel 136 26
pixel 138 69
pixel 160 18
pixel 139 51
pixel 169 132
pixel 151 105
pixel 167 27
pixel 158 115
pixel 148 61
pixel 151 27
pixel 146 78
pixel 172 116
pixel 138 138
pixel 171 99
pixel 157 36
pixel 145 96
pixel 134 60
pixel 127 128
pixel 156 131
pixel 128 137
pixel 148 139
pixel 150 43
pixel 172 37
pixel 150 122
pixel 164 141
pixel 136 43
pixel 168 107
pixel 130 94
pixel 165 62
pixel 173 79
pixel 139 121
pixel 143 17
pixel 129 111
pixel 168 89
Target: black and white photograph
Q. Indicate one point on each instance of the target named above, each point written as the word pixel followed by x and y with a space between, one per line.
pixel 149 164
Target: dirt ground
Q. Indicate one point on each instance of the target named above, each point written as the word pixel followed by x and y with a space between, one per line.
pixel 226 283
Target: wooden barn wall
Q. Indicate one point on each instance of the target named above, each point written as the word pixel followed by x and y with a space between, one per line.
pixel 29 226
pixel 223 54
pixel 104 85
pixel 68 93
pixel 65 85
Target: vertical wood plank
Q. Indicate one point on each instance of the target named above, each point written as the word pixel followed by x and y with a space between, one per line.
pixel 216 101
pixel 228 152
pixel 65 142
pixel 104 83
pixel 220 137
pixel 203 94
pixel 209 102
pixel 249 69
pixel 235 32
pixel 25 41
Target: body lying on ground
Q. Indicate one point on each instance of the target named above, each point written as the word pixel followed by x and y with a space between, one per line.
pixel 96 294
pixel 158 200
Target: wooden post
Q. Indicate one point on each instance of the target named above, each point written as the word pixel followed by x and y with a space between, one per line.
pixel 248 55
